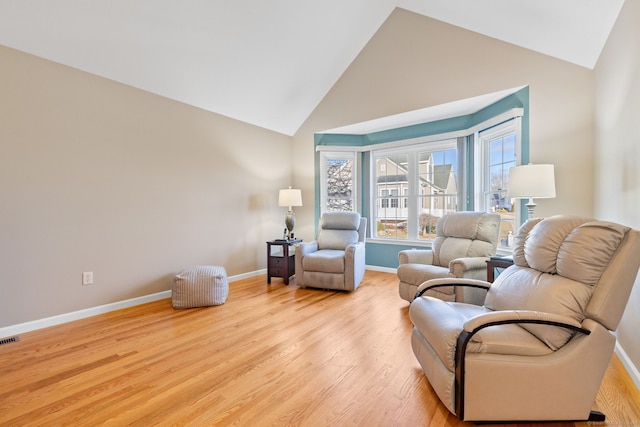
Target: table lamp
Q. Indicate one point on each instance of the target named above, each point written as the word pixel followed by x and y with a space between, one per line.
pixel 290 197
pixel 532 182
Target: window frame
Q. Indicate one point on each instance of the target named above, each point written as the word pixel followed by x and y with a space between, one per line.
pixel 483 138
pixel 325 157
pixel 411 193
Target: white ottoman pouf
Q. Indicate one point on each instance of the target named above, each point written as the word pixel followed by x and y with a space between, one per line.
pixel 200 286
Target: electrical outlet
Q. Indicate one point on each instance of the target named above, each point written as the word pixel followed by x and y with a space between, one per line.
pixel 87 278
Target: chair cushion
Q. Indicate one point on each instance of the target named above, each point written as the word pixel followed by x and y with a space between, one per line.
pixel 440 322
pixel 465 234
pixel 338 230
pixel 573 247
pixel 336 239
pixel 325 260
pixel 340 220
pixel 416 274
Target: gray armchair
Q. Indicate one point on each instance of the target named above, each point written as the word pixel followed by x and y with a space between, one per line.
pixel 463 244
pixel 539 346
pixel 336 260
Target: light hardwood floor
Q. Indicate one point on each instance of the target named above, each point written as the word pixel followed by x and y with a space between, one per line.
pixel 271 355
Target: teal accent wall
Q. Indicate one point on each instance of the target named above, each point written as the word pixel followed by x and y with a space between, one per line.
pixel 386 254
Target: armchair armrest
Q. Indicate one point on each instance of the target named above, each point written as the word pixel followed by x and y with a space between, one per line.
pixel 304 248
pixel 459 265
pixel 416 256
pixel 354 254
pixel 354 247
pixel 451 281
pixel 354 264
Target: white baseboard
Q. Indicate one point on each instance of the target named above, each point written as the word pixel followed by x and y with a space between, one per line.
pixel 80 314
pixel 632 370
pixel 33 325
pixel 382 269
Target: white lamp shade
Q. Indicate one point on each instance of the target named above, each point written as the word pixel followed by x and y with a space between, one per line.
pixel 532 181
pixel 290 197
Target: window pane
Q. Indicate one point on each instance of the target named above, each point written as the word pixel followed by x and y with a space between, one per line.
pixel 414 189
pixel 502 157
pixel 391 178
pixel 339 185
pixel 438 192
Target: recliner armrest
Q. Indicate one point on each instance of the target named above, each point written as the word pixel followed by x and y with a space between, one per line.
pixel 304 248
pixel 502 317
pixel 451 281
pixel 416 256
pixel 468 263
pixel 353 247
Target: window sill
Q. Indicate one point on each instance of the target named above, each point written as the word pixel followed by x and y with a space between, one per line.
pixel 413 243
pixel 504 251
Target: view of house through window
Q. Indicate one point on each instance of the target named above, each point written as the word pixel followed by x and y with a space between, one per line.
pixel 414 187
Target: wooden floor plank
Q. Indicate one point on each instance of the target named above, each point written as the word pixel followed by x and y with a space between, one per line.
pixel 271 355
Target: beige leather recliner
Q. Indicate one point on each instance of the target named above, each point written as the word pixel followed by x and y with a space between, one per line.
pixel 336 259
pixel 463 244
pixel 539 346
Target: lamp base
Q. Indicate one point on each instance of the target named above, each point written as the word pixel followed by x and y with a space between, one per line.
pixel 531 206
pixel 290 221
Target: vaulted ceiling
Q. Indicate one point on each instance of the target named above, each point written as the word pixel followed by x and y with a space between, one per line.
pixel 270 62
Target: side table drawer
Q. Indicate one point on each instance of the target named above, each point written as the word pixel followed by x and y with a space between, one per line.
pixel 277 271
pixel 276 261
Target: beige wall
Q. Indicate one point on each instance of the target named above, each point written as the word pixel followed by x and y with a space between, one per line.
pixel 98 176
pixel 617 194
pixel 414 62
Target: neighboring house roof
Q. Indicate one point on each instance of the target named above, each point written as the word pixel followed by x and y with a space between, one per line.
pixel 441 174
pixel 391 178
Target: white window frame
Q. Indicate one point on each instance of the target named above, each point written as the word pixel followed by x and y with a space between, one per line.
pixel 482 173
pixel 412 152
pixel 481 161
pixel 325 156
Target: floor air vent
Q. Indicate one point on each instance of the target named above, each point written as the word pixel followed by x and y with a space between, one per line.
pixel 9 340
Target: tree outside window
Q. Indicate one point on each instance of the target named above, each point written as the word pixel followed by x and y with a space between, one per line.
pixel 338 177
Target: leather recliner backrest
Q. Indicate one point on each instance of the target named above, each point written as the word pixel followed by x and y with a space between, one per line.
pixel 465 234
pixel 612 293
pixel 572 266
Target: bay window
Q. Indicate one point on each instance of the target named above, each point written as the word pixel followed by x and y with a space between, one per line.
pixel 407 178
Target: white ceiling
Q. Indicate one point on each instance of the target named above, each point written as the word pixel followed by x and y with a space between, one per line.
pixel 270 62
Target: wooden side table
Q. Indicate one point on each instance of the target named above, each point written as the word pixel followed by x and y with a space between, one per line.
pixel 497 263
pixel 281 263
